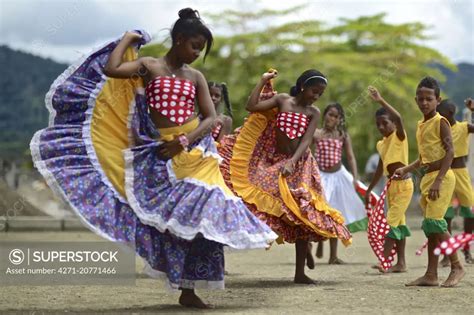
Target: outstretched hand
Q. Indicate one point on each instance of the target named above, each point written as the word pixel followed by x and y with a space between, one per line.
pixel 374 93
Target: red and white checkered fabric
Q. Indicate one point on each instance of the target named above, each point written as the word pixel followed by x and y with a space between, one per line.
pixel 293 124
pixel 378 228
pixel 172 97
pixel 328 152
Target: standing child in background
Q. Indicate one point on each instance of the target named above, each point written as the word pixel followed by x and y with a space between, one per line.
pixel 338 184
pixel 435 146
pixel 463 190
pixel 223 123
pixel 393 150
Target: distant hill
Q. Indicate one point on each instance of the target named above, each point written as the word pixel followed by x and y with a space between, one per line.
pixel 26 79
pixel 459 85
pixel 24 82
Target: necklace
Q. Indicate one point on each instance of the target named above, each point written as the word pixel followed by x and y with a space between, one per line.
pixel 173 75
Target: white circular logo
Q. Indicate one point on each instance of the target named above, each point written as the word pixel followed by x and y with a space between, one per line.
pixel 16 256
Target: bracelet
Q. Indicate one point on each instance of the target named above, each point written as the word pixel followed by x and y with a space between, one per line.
pixel 183 141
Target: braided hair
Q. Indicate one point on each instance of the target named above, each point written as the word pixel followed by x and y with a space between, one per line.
pixel 342 124
pixel 225 95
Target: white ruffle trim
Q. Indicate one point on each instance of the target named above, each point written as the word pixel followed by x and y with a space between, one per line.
pixel 235 239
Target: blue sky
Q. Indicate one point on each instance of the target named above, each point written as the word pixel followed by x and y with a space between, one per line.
pixel 65 30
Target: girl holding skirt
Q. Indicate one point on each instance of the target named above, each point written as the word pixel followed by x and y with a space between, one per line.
pixel 126 151
pixel 268 163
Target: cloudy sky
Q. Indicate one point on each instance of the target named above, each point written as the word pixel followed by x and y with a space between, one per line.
pixel 64 30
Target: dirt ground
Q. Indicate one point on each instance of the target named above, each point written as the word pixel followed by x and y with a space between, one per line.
pixel 259 282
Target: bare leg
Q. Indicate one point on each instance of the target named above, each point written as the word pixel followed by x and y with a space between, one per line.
pixel 189 298
pixel 333 260
pixel 309 257
pixel 457 269
pixel 301 248
pixel 401 265
pixel 445 262
pixel 430 278
pixel 319 249
pixel 387 248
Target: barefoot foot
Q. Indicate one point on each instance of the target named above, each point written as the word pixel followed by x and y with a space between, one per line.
pixel 454 277
pixel 425 281
pixel 336 261
pixel 399 268
pixel 189 299
pixel 304 279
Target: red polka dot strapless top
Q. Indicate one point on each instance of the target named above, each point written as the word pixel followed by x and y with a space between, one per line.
pixel 294 125
pixel 172 98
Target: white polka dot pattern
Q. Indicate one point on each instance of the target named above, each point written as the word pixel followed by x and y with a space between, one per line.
pixel 293 124
pixel 378 227
pixel 172 97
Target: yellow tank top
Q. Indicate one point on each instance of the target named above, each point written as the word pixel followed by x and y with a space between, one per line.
pixel 429 141
pixel 392 150
pixel 460 135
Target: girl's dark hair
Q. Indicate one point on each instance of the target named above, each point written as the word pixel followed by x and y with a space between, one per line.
pixel 225 94
pixel 447 105
pixel 381 111
pixel 342 125
pixel 430 83
pixel 190 24
pixel 307 78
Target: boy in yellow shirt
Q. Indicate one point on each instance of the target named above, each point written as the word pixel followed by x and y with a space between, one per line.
pixel 393 151
pixel 435 146
pixel 463 190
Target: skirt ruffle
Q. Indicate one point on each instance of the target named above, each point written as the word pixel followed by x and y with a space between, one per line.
pixel 341 194
pixel 294 207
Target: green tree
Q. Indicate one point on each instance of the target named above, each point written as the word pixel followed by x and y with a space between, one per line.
pixel 354 54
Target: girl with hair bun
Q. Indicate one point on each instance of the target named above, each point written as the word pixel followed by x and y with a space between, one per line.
pixel 126 150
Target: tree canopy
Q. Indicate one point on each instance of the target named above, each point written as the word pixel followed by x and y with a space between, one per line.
pixel 353 54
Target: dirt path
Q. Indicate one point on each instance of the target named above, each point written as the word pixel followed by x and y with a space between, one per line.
pixel 259 283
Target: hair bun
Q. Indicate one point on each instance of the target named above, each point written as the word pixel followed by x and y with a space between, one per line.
pixel 293 91
pixel 188 13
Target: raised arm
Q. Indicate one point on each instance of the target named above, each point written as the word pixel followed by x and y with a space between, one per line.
pixel 253 105
pixel 116 68
pixel 375 95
